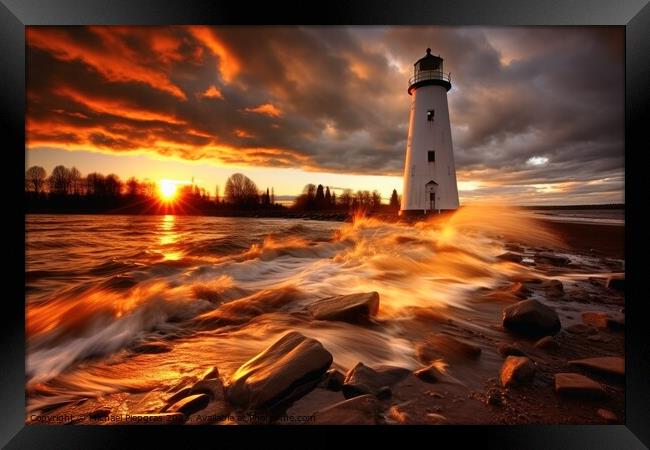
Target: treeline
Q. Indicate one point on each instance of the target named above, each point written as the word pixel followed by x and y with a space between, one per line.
pixel 66 189
pixel 321 198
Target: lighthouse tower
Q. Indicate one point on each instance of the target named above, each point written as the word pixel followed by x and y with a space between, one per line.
pixel 429 170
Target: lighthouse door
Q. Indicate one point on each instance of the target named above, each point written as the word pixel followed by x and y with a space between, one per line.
pixel 431 195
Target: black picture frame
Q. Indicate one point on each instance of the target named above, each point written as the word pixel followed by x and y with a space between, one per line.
pixel 634 15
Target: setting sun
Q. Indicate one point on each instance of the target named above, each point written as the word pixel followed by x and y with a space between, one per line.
pixel 167 189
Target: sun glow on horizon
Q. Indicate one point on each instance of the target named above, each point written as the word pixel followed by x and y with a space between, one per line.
pixel 168 189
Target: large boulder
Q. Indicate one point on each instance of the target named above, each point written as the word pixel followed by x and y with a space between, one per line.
pixel 352 308
pixel 531 318
pixel 609 365
pixel 361 380
pixel 573 384
pixel 442 345
pixel 361 410
pixel 517 370
pixel 287 369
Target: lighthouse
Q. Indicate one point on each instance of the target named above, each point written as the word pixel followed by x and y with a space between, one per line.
pixel 429 170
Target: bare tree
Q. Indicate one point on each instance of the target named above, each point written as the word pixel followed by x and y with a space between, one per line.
pixel 95 184
pixel 60 180
pixel 241 190
pixel 75 181
pixel 35 179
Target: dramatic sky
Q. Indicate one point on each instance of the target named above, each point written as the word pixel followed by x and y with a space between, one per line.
pixel 536 113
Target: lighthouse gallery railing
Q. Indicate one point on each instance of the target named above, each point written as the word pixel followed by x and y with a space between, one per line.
pixel 430 75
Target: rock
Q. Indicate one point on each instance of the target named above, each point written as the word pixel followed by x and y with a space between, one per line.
pixel 517 370
pixel 210 374
pixel 511 257
pixel 506 349
pixel 361 380
pixel 494 397
pixel 398 415
pixel 609 365
pixel 597 319
pixel 606 414
pixel 154 419
pixel 361 410
pixel 616 283
pixel 555 285
pixel 430 374
pixel 573 384
pixel 547 343
pixel 553 259
pixel 519 290
pixel 333 380
pixel 444 346
pixel 352 308
pixel 531 318
pixel 190 405
pixel 213 387
pixel 287 369
pixel 99 413
pixel 581 328
pixel 152 347
pixel 182 393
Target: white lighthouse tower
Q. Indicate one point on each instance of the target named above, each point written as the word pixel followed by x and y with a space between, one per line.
pixel 429 170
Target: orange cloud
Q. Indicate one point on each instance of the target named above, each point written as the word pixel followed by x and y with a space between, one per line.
pixel 117 107
pixel 212 92
pixel 229 65
pixel 266 108
pixel 116 62
pixel 243 134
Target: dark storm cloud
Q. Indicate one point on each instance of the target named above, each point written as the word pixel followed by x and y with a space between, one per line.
pixel 331 98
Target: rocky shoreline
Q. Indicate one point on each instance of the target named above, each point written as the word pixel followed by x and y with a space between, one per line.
pixel 558 359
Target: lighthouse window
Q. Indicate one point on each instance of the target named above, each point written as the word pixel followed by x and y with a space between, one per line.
pixel 431 155
pixel 430 114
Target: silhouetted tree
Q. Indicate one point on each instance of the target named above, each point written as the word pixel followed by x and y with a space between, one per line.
pixel 76 181
pixel 95 184
pixel 35 179
pixel 113 185
pixel 241 190
pixel 394 200
pixel 132 187
pixel 216 194
pixel 272 196
pixel 345 199
pixel 328 197
pixel 375 199
pixel 60 180
pixel 319 200
pixel 307 199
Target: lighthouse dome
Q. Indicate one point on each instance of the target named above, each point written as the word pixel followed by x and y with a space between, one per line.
pixel 428 62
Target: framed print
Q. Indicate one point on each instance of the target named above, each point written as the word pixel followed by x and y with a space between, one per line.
pixel 408 219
